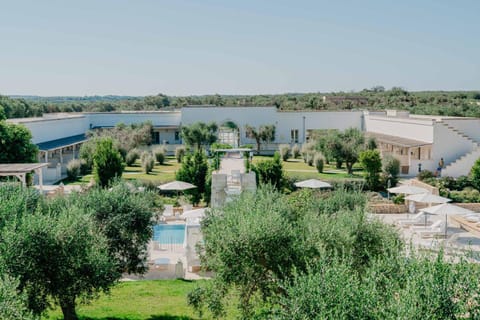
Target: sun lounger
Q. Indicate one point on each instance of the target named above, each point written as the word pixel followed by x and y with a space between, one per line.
pixel 417 219
pixel 438 228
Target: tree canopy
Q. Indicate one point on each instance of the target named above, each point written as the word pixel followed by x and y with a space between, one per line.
pixel 264 133
pixel 199 134
pixel 15 144
pixel 107 162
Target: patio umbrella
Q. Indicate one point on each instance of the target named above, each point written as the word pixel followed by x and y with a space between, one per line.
pixel 176 186
pixel 407 189
pixel 446 209
pixel 313 184
pixel 427 198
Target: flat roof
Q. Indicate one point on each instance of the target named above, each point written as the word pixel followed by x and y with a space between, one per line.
pixel 63 142
pixel 13 168
pixel 398 141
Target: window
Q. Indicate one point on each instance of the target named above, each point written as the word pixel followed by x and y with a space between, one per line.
pixel 294 135
pixel 177 135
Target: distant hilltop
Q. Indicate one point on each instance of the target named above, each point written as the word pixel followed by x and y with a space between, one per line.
pixel 444 103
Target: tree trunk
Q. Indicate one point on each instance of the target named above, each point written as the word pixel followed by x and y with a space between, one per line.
pixel 349 167
pixel 68 309
pixel 258 147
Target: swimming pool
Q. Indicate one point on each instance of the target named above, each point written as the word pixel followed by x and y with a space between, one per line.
pixel 169 233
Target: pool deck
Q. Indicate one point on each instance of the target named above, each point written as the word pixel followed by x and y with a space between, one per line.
pixel 457 242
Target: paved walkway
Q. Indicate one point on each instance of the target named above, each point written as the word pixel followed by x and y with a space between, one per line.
pixel 234 162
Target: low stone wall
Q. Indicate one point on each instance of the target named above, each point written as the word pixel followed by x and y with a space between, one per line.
pixel 387 208
pixel 475 207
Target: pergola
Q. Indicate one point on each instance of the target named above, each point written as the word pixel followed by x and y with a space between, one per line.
pixel 20 171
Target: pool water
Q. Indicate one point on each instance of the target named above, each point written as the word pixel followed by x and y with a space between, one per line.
pixel 169 233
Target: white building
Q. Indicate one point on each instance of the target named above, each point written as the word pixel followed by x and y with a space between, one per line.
pixel 418 141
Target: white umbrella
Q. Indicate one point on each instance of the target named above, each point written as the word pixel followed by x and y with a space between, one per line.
pixel 407 189
pixel 195 213
pixel 446 209
pixel 313 184
pixel 176 186
pixel 427 198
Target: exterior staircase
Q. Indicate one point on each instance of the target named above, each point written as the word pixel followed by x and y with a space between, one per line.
pixel 461 166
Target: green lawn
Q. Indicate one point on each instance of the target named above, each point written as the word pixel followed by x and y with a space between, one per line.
pixel 141 300
pixel 299 170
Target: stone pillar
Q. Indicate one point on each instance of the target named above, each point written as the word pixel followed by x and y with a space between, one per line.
pixel 219 183
pixel 249 182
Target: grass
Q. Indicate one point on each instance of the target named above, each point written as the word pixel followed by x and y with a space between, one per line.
pixel 141 300
pixel 299 170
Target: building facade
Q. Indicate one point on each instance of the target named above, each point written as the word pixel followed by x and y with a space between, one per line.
pixel 419 142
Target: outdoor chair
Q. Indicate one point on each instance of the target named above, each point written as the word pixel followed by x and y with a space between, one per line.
pixel 438 228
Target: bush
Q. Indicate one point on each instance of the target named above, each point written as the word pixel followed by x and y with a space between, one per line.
pixel 391 170
pixel 309 159
pixel 475 174
pixel 296 151
pixel 180 153
pixel 159 155
pixel 73 169
pixel 398 199
pixel 148 162
pixel 107 162
pixel 194 170
pixel 270 171
pixel 84 168
pixel 372 164
pixel 308 149
pixel 424 175
pixel 468 194
pixel 131 157
pixel 319 160
pixel 284 150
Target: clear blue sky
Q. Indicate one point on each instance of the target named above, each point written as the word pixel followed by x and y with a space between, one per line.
pixel 180 47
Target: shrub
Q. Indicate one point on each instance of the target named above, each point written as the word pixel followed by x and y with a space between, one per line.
pixel 424 174
pixel 309 159
pixel 319 160
pixel 284 150
pixel 107 162
pixel 159 155
pixel 148 162
pixel 391 169
pixel 296 151
pixel 308 149
pixel 398 199
pixel 73 169
pixel 180 153
pixel 270 171
pixel 475 174
pixel 372 163
pixel 194 170
pixel 132 156
pixel 468 194
pixel 84 168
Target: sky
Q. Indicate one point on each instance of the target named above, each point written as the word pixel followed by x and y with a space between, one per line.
pixel 186 47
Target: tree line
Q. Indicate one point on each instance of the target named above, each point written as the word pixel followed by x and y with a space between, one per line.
pixel 450 103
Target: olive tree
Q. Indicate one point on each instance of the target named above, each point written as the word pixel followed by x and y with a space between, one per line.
pixel 199 134
pixel 63 259
pixel 264 133
pixel 16 144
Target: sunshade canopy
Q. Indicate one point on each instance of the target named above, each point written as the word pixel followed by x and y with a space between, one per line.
pixel 446 208
pixel 407 189
pixel 427 198
pixel 313 184
pixel 176 186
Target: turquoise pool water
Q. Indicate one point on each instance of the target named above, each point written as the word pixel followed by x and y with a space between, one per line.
pixel 169 233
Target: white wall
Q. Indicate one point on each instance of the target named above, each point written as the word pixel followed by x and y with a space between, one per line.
pixel 56 128
pixel 415 129
pixel 110 119
pixel 287 121
pixel 283 121
pixel 241 116
pixel 449 145
pixel 470 127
